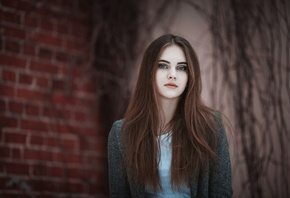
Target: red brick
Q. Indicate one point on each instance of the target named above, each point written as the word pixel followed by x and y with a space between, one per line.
pixel 50 13
pixel 84 144
pixel 33 125
pixel 99 145
pixel 33 154
pixel 77 187
pixel 28 49
pixel 8 75
pixel 12 61
pixel 17 168
pixel 48 112
pixel 98 188
pixel 15 107
pixel 79 116
pixel 30 21
pixel 68 157
pixel 73 129
pixel 59 114
pixel 9 3
pixel 27 6
pixel 89 131
pixel 78 21
pixel 85 172
pixel 61 57
pixel 46 25
pixel 66 114
pixel 66 128
pixel 77 72
pixel 62 187
pixel 32 109
pixel 47 156
pixel 43 67
pixel 15 194
pixel 80 33
pixel 1 40
pixel 36 140
pixel 58 157
pixel 12 46
pixel 56 172
pixel 11 137
pixel 44 185
pixel 2 106
pixel 61 98
pixel 75 45
pixel 40 170
pixel 100 161
pixel 42 82
pixel 11 17
pixel 25 79
pixel 73 173
pixel 14 32
pixel 52 142
pixel 73 158
pixel 58 84
pixel 7 90
pixel 47 39
pixel 88 87
pixel 63 3
pixel 83 6
pixel 42 38
pixel 64 70
pixel 4 152
pixel 45 53
pixel 30 94
pixel 62 28
pixel 15 153
pixel 69 144
pixel 2 170
pixel 6 121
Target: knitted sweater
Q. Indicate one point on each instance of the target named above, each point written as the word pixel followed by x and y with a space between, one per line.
pixel 211 181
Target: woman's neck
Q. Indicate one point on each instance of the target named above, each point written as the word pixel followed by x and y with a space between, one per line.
pixel 168 109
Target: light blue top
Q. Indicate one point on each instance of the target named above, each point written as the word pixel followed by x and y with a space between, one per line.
pixel 164 171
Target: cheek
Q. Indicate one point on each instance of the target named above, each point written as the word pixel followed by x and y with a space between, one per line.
pixel 158 77
pixel 185 80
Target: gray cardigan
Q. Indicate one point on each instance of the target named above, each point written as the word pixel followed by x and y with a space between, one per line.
pixel 209 183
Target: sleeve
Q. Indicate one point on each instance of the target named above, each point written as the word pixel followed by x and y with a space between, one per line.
pixel 220 173
pixel 118 182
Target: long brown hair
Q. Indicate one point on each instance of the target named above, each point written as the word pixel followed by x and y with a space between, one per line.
pixel 194 132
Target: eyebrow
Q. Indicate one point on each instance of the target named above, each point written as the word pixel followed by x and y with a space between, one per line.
pixel 184 63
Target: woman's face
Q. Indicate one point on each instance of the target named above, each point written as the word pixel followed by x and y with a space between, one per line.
pixel 171 76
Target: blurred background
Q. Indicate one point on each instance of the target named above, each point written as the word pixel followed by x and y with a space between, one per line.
pixel 68 68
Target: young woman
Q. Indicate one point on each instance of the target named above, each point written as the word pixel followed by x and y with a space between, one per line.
pixel 169 144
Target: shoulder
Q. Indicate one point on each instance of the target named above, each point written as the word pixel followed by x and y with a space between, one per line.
pixel 114 135
pixel 220 132
pixel 222 142
pixel 117 125
pixel 218 118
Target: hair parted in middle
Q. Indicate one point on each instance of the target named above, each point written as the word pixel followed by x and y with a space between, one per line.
pixel 194 132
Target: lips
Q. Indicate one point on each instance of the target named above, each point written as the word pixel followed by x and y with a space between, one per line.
pixel 171 85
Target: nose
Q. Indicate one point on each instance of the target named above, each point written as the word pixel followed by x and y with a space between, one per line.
pixel 172 74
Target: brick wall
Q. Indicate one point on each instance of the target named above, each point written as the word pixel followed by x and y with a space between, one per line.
pixel 51 140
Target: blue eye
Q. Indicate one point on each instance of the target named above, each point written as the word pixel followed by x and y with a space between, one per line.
pixel 163 66
pixel 181 68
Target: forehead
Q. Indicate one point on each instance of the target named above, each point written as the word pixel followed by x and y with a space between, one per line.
pixel 173 53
